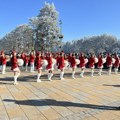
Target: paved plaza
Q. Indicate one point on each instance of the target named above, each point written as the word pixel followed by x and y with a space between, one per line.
pixel 88 98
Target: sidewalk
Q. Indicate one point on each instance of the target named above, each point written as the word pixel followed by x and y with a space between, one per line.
pixel 88 98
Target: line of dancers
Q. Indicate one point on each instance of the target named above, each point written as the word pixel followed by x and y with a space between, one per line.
pixel 60 61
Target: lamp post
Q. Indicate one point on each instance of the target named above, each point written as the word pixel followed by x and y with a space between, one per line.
pixel 34 39
pixel 60 36
pixel 60 23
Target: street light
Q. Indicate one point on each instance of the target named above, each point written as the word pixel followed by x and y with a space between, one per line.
pixel 34 38
pixel 61 35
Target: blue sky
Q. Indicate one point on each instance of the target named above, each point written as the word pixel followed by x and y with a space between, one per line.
pixel 80 17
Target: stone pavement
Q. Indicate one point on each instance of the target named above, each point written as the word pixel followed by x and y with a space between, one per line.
pixel 88 98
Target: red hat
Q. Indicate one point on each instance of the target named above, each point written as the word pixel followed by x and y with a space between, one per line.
pixel 38 53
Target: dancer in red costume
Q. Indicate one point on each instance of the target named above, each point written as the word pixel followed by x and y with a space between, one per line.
pixel 4 62
pixel 57 58
pixel 100 64
pixel 69 60
pixel 26 62
pixel 23 56
pixel 82 64
pixel 1 60
pixel 109 63
pixel 49 66
pixel 91 64
pixel 32 61
pixel 38 65
pixel 116 64
pixel 61 65
pixel 14 67
pixel 73 65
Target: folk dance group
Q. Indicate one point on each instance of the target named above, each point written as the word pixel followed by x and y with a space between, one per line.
pixel 60 61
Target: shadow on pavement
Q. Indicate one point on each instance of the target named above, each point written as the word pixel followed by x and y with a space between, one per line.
pixel 111 85
pixel 51 102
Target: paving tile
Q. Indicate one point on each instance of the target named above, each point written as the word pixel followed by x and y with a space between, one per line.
pixel 106 116
pixel 4 117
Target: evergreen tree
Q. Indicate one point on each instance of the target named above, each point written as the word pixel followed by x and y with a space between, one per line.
pixel 19 39
pixel 46 29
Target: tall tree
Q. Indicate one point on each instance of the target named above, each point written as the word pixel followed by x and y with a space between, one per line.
pixel 46 28
pixel 19 39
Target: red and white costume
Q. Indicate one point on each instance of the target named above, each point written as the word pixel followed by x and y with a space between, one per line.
pixel 3 62
pixel 38 66
pixel 23 56
pixel 49 66
pixel 0 60
pixel 82 61
pixel 82 64
pixel 109 61
pixel 2 52
pixel 32 60
pixel 100 62
pixel 61 62
pixel 69 58
pixel 73 62
pixel 61 65
pixel 14 65
pixel 43 56
pixel 117 62
pixel 26 59
pixel 57 59
pixel 38 62
pixel 91 62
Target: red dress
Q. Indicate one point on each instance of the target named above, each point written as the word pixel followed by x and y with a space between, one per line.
pixel 49 59
pixel 0 60
pixel 73 62
pixel 38 63
pixel 23 56
pixel 109 61
pixel 61 63
pixel 116 64
pixel 32 58
pixel 43 57
pixel 91 62
pixel 3 59
pixel 57 59
pixel 26 59
pixel 14 63
pixel 69 58
pixel 100 62
pixel 82 62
